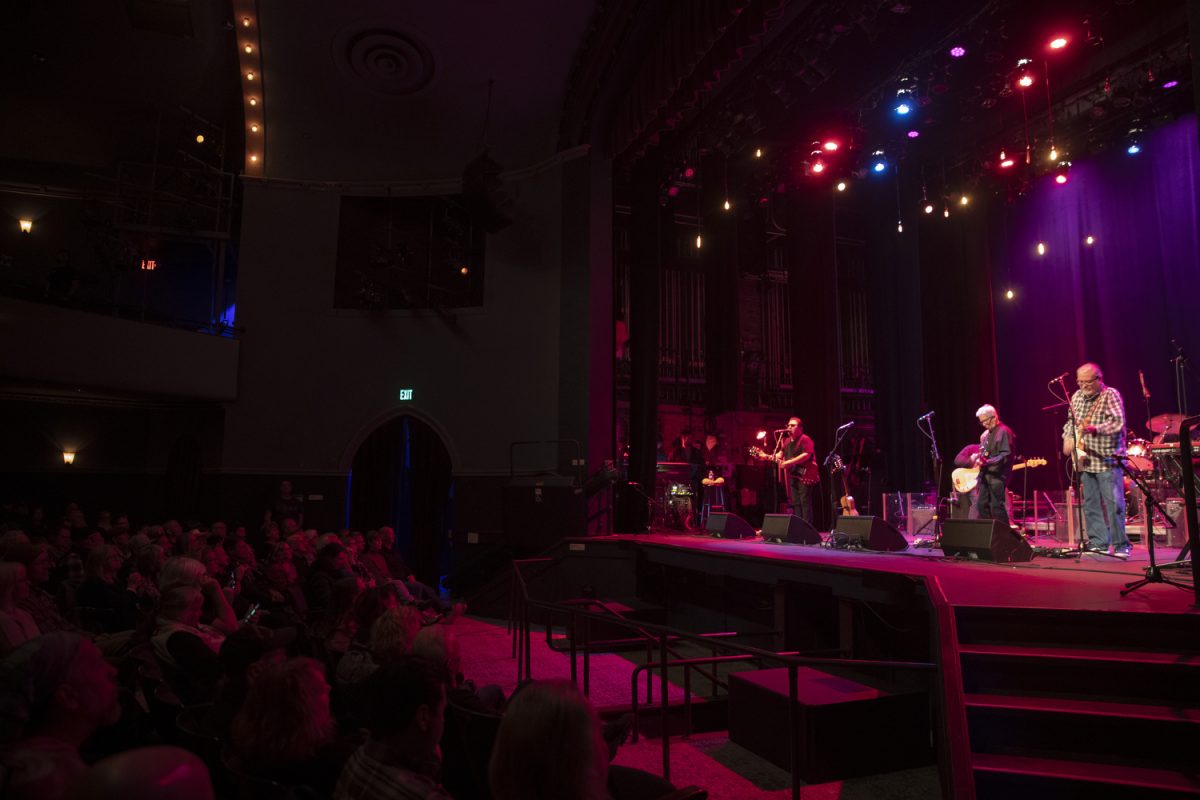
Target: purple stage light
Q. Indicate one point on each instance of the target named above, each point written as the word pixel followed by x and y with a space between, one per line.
pixel 913 134
pixel 1170 84
pixel 958 51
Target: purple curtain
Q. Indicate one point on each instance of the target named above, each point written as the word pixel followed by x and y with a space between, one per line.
pixel 1120 302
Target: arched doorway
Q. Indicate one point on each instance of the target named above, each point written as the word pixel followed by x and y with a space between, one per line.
pixel 401 476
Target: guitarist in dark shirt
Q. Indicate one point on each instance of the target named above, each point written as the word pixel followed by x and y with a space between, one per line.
pixel 995 464
pixel 797 460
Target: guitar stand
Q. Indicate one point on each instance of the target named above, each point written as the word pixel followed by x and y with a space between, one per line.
pixel 1154 573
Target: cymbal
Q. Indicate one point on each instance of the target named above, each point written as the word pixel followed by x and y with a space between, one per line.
pixel 1165 423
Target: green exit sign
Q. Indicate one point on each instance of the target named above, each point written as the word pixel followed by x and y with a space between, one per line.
pixel 406 394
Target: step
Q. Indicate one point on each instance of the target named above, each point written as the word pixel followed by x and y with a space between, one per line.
pixel 1132 734
pixel 1078 628
pixel 1081 654
pixel 1094 708
pixel 1031 771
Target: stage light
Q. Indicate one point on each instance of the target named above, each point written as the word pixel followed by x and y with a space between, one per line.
pixel 758 152
pixel 964 200
pixel 929 208
pixel 249 49
pixel 841 186
pixel 946 212
pixel 672 191
pixel 688 172
pixel 253 159
pixel 68 456
pixel 464 271
pixel 1025 81
pixel 199 138
pixel 1133 149
pixel 913 134
pixel 878 161
pixel 958 51
pixel 1058 43
pixel 760 435
pixel 245 22
pixel 1041 248
pixel 727 205
pixel 879 166
pixel 26 225
pixel 252 101
pixel 254 128
pixel 899 226
pixel 249 76
pixel 1060 178
pixel 1010 294
pixel 1090 240
pixel 1005 163
pixel 1170 84
pixel 699 241
pixel 903 108
pixel 1053 153
pixel 831 146
pixel 817 167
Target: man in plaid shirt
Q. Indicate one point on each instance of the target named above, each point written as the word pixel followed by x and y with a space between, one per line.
pixel 1100 414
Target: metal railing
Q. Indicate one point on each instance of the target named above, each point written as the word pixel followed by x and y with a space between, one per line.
pixel 953 748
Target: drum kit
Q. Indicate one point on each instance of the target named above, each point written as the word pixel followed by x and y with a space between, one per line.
pixel 1157 460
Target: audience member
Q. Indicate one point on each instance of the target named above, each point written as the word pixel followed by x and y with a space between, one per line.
pixel 146 773
pixel 330 567
pixel 39 603
pixel 116 604
pixel 186 647
pixel 16 624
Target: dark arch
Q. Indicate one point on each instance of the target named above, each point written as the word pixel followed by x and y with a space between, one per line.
pixel 401 476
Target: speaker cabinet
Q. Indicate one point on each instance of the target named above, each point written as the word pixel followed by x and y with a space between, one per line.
pixel 985 540
pixel 788 528
pixel 723 525
pixel 871 533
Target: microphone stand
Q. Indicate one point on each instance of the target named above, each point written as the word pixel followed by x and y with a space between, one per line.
pixel 1154 573
pixel 936 458
pixel 1077 479
pixel 833 502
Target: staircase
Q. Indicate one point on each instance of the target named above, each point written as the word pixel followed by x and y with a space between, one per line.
pixel 1088 704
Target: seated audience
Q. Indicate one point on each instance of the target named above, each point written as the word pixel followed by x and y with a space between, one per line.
pixel 400 759
pixel 16 624
pixel 242 656
pixel 55 692
pixel 185 647
pixel 39 603
pixel 146 773
pixel 116 603
pixel 330 567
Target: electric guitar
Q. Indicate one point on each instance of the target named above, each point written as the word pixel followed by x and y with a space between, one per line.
pixel 846 501
pixel 965 478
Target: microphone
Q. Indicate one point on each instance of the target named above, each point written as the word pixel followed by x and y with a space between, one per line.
pixel 847 426
pixel 1060 378
pixel 1142 379
pixel 927 415
pixel 780 430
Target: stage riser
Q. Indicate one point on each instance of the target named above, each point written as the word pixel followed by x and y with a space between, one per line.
pixel 1168 633
pixel 1085 680
pixel 1004 786
pixel 1084 737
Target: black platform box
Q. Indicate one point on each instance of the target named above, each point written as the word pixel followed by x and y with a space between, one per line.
pixel 847 728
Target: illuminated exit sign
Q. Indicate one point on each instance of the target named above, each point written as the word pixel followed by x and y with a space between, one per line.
pixel 406 394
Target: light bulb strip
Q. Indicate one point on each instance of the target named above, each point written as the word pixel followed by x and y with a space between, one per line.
pixel 250 67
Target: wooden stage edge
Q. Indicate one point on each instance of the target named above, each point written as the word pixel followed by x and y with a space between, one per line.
pixel 1091 582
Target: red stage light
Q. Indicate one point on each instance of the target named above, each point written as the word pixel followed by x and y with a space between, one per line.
pixel 1060 178
pixel 1025 81
pixel 1006 163
pixel 831 146
pixel 818 167
pixel 688 172
pixel 1058 42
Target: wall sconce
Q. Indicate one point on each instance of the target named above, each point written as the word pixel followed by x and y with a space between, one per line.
pixel 26 225
pixel 68 457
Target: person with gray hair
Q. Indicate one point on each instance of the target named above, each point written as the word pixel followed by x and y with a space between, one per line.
pixel 996 445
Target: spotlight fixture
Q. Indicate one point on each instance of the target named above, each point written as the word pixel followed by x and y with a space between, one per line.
pixel 68 456
pixel 1025 81
pixel 1133 149
pixel 1090 240
pixel 830 146
pixel 699 241
pixel 946 212
pixel 1170 84
pixel 249 49
pixel 1005 161
pixel 249 76
pixel 841 186
pixel 758 152
pixel 760 435
pixel 1064 170
pixel 1134 141
pixel 254 128
pixel 199 138
pixel 913 134
pixel 878 161
pixel 1041 248
pixel 958 51
pixel 1010 294
pixel 1060 178
pixel 929 208
pixel 1053 153
pixel 964 200
pixel 1058 42
pixel 253 159
pixel 905 95
pixel 726 205
pixel 245 22
pixel 464 271
pixel 899 226
pixel 817 167
pixel 689 172
pixel 253 101
pixel 26 225
pixel 903 108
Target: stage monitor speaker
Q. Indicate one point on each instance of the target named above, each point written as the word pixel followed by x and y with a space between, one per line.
pixel 871 533
pixel 985 540
pixel 788 528
pixel 723 525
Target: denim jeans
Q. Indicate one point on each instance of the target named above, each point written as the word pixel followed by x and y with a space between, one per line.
pixel 1104 508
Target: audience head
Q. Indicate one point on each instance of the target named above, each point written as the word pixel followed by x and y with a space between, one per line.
pixel 549 747
pixel 371 603
pixel 14 583
pixel 438 645
pixel 35 557
pixel 182 604
pixel 58 680
pixel 280 575
pixel 332 557
pixel 181 570
pixel 146 773
pixel 103 562
pixel 409 706
pixel 393 634
pixel 286 715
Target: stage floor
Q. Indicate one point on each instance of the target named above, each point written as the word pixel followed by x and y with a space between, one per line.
pixel 1090 582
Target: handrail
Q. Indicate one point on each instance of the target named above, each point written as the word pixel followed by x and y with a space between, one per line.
pixel 954 747
pixel 523 604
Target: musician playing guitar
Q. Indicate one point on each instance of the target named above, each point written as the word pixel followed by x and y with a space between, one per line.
pixel 995 464
pixel 798 463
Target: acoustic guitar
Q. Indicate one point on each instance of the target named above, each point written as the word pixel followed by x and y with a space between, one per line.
pixel 846 501
pixel 966 478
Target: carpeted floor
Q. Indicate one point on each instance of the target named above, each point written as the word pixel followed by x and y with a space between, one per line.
pixel 709 760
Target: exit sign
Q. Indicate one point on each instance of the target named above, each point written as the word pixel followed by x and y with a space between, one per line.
pixel 406 394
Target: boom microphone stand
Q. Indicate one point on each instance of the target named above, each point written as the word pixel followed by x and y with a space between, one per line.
pixel 1154 573
pixel 925 426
